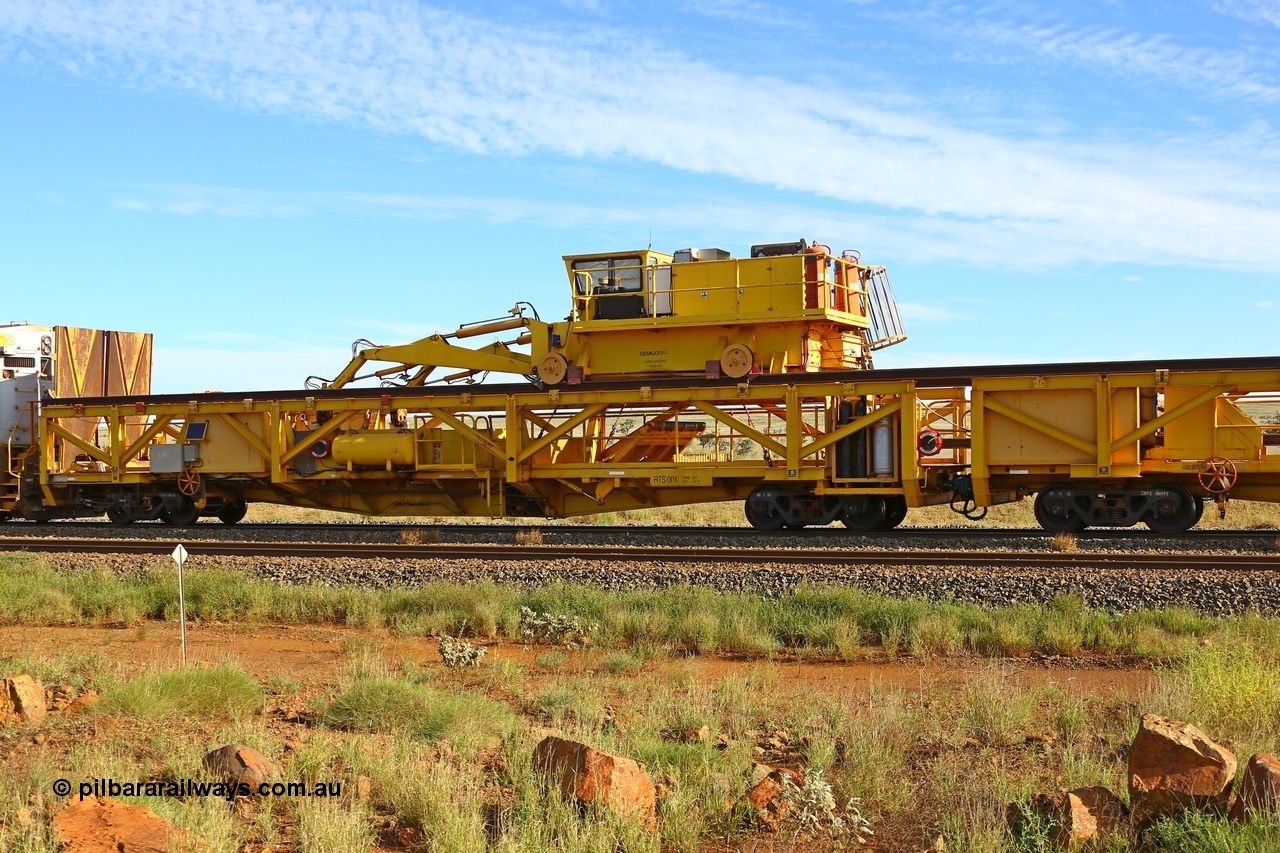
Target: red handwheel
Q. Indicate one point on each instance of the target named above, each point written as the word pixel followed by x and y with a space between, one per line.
pixel 1218 474
pixel 190 482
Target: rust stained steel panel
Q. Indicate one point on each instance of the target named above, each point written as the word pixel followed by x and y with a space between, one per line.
pixel 79 369
pixel 128 372
pixel 93 362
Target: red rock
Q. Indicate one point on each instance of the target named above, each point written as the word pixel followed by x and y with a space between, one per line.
pixel 768 784
pixel 1174 767
pixel 1079 817
pixel 592 776
pixel 21 700
pixel 1260 790
pixel 81 703
pixel 236 764
pixel 100 825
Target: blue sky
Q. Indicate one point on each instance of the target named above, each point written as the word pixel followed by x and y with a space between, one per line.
pixel 261 183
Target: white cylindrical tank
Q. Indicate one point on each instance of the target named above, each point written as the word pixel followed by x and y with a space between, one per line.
pixel 882 449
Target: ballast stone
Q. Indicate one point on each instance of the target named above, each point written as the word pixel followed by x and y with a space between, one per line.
pixel 1174 767
pixel 102 825
pixel 591 776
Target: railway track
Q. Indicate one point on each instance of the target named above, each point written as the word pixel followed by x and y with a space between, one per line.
pixel 835 532
pixel 664 555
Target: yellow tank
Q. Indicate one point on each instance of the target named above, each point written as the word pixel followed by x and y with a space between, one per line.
pixel 376 449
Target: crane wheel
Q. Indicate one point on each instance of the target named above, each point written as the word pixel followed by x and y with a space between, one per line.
pixel 736 361
pixel 552 368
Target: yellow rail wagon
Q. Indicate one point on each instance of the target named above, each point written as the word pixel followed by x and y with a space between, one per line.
pixel 790 430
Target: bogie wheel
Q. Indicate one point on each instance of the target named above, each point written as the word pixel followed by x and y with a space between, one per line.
pixel 1054 510
pixel 552 368
pixel 736 361
pixel 232 512
pixel 119 515
pixel 895 512
pixel 864 513
pixel 762 513
pixel 1198 504
pixel 184 516
pixel 1173 512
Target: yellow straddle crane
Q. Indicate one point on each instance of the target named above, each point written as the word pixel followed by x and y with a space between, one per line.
pixel 789 307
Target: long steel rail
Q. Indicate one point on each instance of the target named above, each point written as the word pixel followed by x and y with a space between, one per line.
pixel 101 529
pixel 931 377
pixel 552 554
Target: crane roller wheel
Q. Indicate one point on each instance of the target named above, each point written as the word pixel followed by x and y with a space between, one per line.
pixel 736 361
pixel 552 368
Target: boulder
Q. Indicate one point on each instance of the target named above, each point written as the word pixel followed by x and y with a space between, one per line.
pixel 1174 767
pixel 1084 816
pixel 101 825
pixel 21 700
pixel 591 776
pixel 1260 790
pixel 236 764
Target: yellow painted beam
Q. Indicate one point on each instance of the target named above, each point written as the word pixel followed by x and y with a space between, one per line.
pixel 850 428
pixel 1168 417
pixel 67 435
pixel 561 430
pixel 738 426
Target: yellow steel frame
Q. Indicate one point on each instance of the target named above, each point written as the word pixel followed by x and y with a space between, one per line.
pixel 523 449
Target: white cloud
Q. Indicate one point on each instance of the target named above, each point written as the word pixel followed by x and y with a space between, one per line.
pixel 1155 57
pixel 1264 305
pixel 1262 11
pixel 459 81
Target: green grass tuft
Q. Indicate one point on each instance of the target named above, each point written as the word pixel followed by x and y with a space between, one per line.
pixel 217 691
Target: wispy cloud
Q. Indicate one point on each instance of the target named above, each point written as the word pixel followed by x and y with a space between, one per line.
pixel 475 84
pixel 752 11
pixel 1136 55
pixel 1262 11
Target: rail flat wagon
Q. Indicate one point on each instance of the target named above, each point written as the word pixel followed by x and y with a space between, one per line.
pixel 798 440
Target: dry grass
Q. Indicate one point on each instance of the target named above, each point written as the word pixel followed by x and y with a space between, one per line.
pixel 419 536
pixel 1067 543
pixel 532 536
pixel 943 759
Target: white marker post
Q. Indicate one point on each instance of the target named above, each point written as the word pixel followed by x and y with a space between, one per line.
pixel 180 557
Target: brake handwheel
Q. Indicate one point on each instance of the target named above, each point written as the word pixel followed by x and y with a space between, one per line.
pixel 190 482
pixel 1218 474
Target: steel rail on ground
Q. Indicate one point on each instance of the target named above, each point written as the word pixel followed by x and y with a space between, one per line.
pixel 551 554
